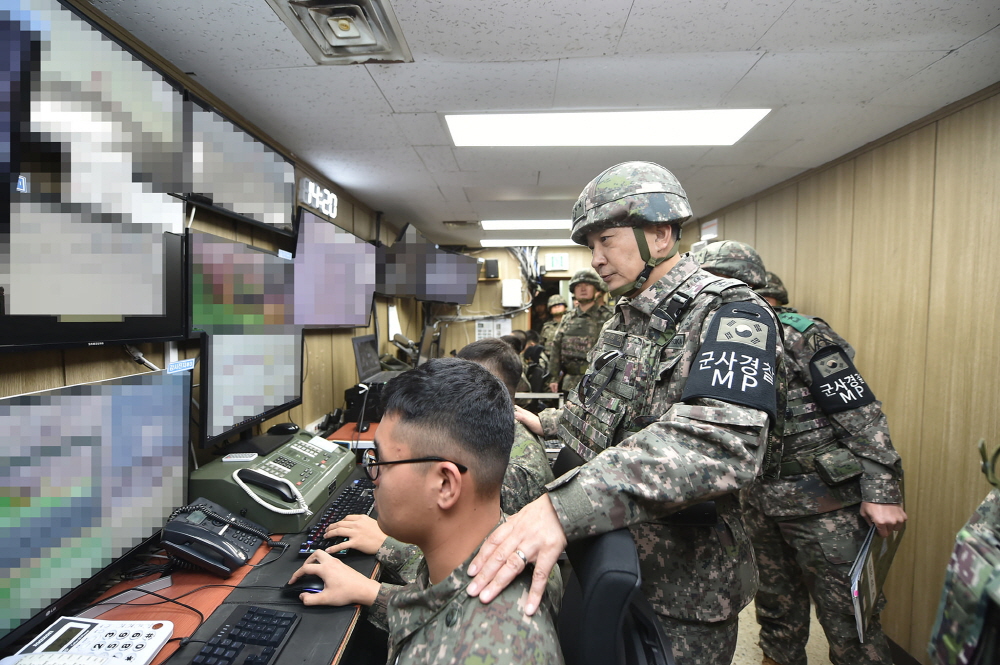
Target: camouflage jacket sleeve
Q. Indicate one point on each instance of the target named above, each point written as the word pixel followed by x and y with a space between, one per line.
pixel 377 613
pixel 550 422
pixel 864 430
pixel 695 451
pixel 400 559
pixel 555 352
pixel 527 473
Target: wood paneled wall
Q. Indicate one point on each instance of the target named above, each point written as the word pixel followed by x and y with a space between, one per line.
pixel 897 249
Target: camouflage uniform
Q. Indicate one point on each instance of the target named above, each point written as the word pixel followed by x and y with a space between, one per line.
pixel 573 341
pixel 807 533
pixel 525 480
pixel 971 590
pixel 661 454
pixel 442 623
pixel 550 327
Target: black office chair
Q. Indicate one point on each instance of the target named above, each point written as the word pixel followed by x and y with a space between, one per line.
pixel 605 619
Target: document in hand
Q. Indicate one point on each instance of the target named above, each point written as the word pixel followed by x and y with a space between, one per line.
pixel 868 575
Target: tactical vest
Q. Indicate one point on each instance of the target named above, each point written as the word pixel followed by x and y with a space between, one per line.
pixel 614 399
pixel 579 333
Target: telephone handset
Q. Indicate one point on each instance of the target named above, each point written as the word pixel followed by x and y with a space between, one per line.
pixel 210 537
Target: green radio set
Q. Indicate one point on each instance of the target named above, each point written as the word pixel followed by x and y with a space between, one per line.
pixel 280 490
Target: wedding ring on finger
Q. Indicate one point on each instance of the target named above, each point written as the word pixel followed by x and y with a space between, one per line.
pixel 522 556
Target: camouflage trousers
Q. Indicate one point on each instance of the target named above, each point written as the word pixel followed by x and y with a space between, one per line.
pixel 697 643
pixel 811 557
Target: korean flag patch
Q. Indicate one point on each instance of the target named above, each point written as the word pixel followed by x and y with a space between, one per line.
pixel 836 384
pixel 737 361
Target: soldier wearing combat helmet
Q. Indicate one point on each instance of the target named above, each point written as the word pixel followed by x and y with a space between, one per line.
pixel 557 310
pixel 578 332
pixel 839 474
pixel 672 419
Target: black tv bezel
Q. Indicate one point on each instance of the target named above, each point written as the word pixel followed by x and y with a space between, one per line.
pixel 205 397
pixel 40 620
pixel 198 201
pixel 20 333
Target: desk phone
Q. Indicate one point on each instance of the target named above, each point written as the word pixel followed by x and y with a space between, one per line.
pixel 132 642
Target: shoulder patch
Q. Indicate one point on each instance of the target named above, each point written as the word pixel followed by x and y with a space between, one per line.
pixel 836 384
pixel 736 363
pixel 795 320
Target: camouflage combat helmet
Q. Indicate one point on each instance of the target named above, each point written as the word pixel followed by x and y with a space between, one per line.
pixel 556 300
pixel 588 276
pixel 730 258
pixel 773 288
pixel 631 194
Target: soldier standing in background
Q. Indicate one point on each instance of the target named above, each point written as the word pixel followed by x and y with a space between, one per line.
pixel 557 309
pixel 579 330
pixel 665 449
pixel 839 475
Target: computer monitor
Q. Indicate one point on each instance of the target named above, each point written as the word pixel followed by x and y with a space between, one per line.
pixel 428 345
pixel 90 472
pixel 366 357
pixel 415 267
pixel 334 275
pixel 86 255
pixel 238 175
pixel 250 365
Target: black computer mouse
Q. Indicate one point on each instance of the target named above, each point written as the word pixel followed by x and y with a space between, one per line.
pixel 305 584
pixel 283 428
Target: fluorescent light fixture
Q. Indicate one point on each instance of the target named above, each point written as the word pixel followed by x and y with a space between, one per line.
pixel 523 242
pixel 605 128
pixel 525 224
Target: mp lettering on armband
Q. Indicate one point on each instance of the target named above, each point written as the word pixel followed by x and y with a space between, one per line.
pixel 737 361
pixel 836 384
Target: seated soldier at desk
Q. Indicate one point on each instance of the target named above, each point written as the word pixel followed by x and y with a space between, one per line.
pixel 440 455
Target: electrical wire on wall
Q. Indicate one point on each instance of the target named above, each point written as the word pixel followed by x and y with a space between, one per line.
pixel 527 258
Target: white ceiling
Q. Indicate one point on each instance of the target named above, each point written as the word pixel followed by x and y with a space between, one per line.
pixel 838 74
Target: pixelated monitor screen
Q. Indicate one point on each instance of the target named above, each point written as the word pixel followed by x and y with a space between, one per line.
pixel 90 471
pixel 415 267
pixel 334 275
pixel 87 172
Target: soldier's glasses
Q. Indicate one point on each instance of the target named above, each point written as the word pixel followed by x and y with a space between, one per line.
pixel 593 384
pixel 371 464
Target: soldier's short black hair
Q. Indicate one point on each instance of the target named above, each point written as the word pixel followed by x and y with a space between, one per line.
pixel 498 357
pixel 531 336
pixel 462 405
pixel 514 341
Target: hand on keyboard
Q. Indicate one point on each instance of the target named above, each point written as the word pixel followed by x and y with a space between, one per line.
pixel 342 584
pixel 361 531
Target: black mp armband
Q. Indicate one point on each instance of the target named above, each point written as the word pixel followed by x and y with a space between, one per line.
pixel 737 361
pixel 836 384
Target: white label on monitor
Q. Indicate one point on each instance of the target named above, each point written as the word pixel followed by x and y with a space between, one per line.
pixel 180 366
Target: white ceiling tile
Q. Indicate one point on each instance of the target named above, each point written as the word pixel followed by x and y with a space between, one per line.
pixel 685 26
pixel 525 209
pixel 842 78
pixel 959 74
pixel 510 31
pixel 210 38
pixel 422 87
pixel 675 81
pixel 738 182
pixel 487 178
pixel 453 194
pixel 437 158
pixel 745 153
pixel 886 25
pixel 511 193
pixel 423 128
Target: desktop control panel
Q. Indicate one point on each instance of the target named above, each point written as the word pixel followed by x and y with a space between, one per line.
pixel 301 474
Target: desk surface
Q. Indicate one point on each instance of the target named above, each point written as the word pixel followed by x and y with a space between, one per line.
pixel 321 636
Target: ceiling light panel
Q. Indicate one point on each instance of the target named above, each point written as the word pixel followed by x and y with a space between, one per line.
pixel 612 128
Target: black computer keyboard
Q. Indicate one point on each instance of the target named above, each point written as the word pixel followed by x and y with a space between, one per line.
pixel 250 636
pixel 355 499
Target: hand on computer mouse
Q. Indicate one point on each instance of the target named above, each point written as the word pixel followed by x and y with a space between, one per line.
pixel 361 531
pixel 342 584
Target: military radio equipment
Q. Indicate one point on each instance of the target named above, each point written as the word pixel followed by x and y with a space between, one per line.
pixel 281 490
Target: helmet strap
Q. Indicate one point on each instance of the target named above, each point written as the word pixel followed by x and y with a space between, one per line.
pixel 640 240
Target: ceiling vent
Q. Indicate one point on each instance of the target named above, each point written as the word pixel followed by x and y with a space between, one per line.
pixel 345 33
pixel 459 224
